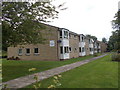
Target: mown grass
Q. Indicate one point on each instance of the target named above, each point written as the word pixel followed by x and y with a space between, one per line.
pixel 101 73
pixel 13 69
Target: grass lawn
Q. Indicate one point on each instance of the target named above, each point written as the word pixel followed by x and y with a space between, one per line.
pixel 14 69
pixel 102 73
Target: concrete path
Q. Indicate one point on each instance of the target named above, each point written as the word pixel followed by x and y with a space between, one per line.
pixel 27 80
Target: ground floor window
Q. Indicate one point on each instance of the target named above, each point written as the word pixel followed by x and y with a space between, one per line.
pixel 20 51
pixel 83 49
pixel 66 50
pixel 36 51
pixel 70 49
pixel 27 51
pixel 61 50
pixel 91 49
pixel 80 49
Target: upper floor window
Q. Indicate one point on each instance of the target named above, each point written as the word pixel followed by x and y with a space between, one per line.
pixel 20 51
pixel 82 39
pixel 65 34
pixel 70 35
pixel 90 41
pixel 60 34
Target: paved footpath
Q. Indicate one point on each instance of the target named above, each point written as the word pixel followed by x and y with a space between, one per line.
pixel 27 80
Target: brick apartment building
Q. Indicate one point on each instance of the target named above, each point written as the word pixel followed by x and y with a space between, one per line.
pixel 60 44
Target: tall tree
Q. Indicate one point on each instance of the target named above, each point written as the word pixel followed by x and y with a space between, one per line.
pixel 93 37
pixel 21 21
pixel 116 21
pixel 114 40
pixel 104 40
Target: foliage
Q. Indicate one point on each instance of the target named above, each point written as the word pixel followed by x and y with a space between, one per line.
pixel 56 82
pixel 37 84
pixel 21 21
pixel 104 40
pixel 115 57
pixel 116 21
pixel 4 87
pixel 114 40
pixel 32 69
pixel 95 54
pixel 93 37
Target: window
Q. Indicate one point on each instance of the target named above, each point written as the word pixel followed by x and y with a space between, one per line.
pixel 60 34
pixel 61 50
pixel 91 49
pixel 65 34
pixel 89 41
pixel 83 49
pixel 70 35
pixel 82 39
pixel 36 51
pixel 66 50
pixel 20 51
pixel 27 51
pixel 70 49
pixel 80 49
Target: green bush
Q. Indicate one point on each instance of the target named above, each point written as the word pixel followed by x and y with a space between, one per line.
pixel 95 55
pixel 115 57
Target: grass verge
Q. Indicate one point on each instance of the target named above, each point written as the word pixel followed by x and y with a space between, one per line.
pixel 14 69
pixel 102 73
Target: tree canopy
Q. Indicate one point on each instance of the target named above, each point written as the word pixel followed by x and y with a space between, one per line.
pixel 21 21
pixel 93 37
pixel 114 40
pixel 104 40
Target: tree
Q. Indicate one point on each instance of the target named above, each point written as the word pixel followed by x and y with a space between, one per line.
pixel 93 37
pixel 114 40
pixel 104 40
pixel 116 21
pixel 21 21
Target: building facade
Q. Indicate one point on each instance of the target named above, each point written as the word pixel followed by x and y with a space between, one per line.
pixel 60 44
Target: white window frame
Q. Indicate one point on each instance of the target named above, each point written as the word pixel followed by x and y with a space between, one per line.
pixel 66 34
pixel 35 52
pixel 20 53
pixel 26 52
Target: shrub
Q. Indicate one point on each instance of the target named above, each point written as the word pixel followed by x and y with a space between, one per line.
pixel 95 55
pixel 115 57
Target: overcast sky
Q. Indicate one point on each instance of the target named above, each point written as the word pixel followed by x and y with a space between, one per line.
pixel 87 16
